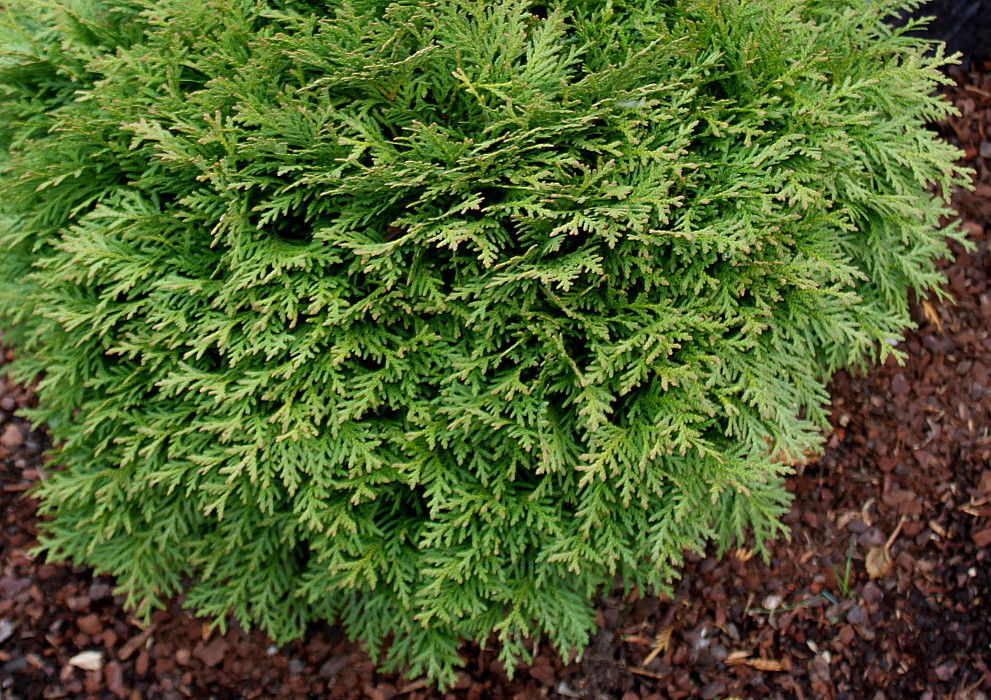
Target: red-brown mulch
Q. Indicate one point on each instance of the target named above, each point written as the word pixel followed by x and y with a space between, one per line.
pixel 901 499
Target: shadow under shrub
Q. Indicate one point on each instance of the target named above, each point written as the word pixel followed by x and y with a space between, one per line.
pixel 435 317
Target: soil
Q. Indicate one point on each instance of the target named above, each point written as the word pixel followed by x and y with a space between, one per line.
pixel 962 24
pixel 882 591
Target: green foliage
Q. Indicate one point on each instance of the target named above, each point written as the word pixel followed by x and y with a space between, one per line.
pixel 435 317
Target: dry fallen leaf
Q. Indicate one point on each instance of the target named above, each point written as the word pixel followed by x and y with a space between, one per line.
pixel 662 642
pixel 744 554
pixel 88 660
pixel 865 513
pixel 932 315
pixel 878 562
pixel 846 518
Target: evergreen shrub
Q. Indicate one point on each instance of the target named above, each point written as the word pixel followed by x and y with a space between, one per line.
pixel 436 316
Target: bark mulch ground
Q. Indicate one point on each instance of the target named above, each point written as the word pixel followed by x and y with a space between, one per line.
pixel 883 591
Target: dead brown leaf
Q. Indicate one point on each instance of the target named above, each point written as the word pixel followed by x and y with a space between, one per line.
pixel 744 554
pixel 865 513
pixel 878 562
pixel 932 315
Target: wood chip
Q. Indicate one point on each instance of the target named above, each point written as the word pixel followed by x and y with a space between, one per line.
pixel 418 684
pixel 984 483
pixel 766 664
pixel 132 645
pixel 645 672
pixel 982 538
pixel 737 657
pixel 937 528
pixel 544 674
pixel 88 660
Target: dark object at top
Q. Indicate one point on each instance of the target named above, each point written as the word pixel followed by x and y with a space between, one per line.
pixel 965 25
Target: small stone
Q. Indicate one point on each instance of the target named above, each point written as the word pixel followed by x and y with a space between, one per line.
pixel 713 690
pixel 985 149
pixel 6 629
pixel 7 403
pixel 333 666
pixel 946 671
pixel 99 591
pixel 872 594
pixel 380 692
pixel 14 666
pixel 857 526
pixel 984 483
pixel 856 615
